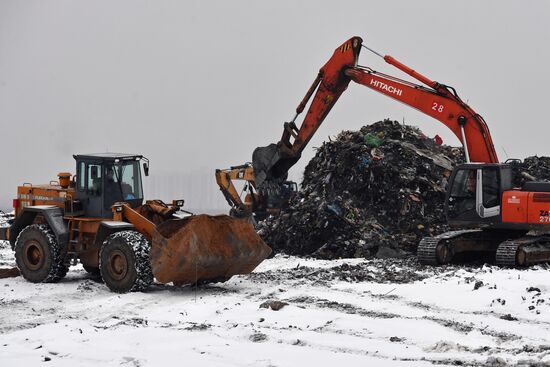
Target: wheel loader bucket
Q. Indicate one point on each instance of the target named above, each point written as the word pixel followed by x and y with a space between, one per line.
pixel 203 247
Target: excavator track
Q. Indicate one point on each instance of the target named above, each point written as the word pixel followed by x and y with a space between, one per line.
pixel 439 250
pixel 506 253
pixel 524 251
pixel 426 252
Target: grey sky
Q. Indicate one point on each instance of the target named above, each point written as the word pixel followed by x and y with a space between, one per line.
pixel 196 85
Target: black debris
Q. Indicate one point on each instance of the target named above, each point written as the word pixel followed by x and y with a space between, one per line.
pixel 508 317
pixel 532 168
pixel 396 339
pixel 369 193
pixel 258 337
pixel 400 271
pixel 274 305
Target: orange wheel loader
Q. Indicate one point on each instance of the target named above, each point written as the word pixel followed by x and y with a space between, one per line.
pixel 99 218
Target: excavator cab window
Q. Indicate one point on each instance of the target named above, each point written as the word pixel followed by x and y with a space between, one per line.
pixel 462 198
pixel 290 186
pixel 491 187
pixel 475 194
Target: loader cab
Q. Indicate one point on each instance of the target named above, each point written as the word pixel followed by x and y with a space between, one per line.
pixel 474 194
pixel 106 178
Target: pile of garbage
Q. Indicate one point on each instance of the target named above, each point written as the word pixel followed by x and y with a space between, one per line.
pixel 369 193
pixel 532 168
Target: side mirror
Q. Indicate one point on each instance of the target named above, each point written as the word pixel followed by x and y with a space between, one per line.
pixel 146 168
pixel 93 172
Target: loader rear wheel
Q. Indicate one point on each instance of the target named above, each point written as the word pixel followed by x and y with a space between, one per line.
pixel 124 262
pixel 38 255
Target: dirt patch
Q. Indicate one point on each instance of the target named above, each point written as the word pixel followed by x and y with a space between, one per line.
pixel 9 273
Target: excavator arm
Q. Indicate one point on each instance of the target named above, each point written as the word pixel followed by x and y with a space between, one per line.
pixel 271 163
pixel 258 203
pixel 225 178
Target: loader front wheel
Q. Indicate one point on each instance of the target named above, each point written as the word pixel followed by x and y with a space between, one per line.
pixel 124 262
pixel 38 255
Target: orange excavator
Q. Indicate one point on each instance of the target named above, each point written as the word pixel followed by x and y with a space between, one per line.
pixel 489 215
pixel 256 204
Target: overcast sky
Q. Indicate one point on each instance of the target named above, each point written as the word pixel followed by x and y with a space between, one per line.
pixel 197 85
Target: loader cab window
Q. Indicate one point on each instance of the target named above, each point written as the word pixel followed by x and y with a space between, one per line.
pixel 81 176
pixel 122 183
pixel 131 182
pixel 94 179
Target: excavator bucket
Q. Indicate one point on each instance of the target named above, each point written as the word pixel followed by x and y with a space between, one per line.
pixel 205 248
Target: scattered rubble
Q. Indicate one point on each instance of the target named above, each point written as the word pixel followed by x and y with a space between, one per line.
pixel 478 285
pixel 508 317
pixel 258 337
pixel 382 271
pixel 275 305
pixel 396 339
pixel 369 193
pixel 532 168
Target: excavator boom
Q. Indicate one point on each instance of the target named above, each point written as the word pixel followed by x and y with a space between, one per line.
pixel 271 163
pixel 439 103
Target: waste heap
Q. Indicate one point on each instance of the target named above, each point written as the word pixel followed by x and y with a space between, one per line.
pixel 370 193
pixel 532 168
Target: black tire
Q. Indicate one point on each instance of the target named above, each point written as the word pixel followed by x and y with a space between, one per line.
pixel 38 255
pixel 124 262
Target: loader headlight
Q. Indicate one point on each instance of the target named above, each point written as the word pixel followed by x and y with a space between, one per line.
pixel 179 203
pixel 118 208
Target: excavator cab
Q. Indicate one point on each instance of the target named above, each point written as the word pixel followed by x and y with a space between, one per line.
pixel 279 198
pixel 474 194
pixel 107 178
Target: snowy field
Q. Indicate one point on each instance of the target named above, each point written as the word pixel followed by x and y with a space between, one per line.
pixel 346 312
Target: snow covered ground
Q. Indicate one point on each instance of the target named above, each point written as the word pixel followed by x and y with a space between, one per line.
pixel 352 312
